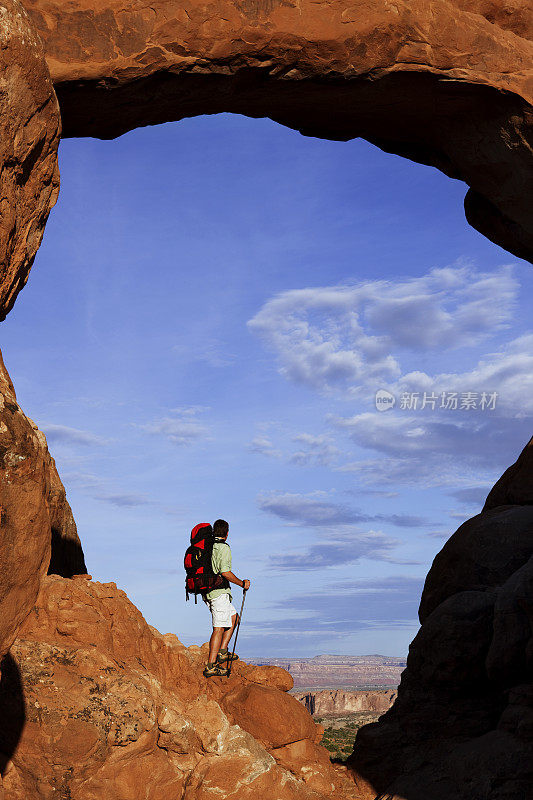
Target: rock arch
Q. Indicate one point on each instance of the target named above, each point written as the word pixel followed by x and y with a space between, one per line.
pixel 449 85
pixel 446 83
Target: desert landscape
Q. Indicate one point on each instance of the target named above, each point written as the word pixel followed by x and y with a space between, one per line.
pixel 338 672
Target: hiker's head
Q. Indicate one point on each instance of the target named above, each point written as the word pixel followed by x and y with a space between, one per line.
pixel 220 529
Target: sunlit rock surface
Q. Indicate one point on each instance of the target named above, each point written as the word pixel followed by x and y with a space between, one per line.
pixel 99 704
pixel 36 522
pixel 29 136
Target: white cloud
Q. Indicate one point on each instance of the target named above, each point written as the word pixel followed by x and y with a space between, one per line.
pixel 264 446
pixel 471 495
pixel 308 509
pixel 439 534
pixel 181 427
pixel 341 541
pixel 425 449
pixel 508 372
pixel 99 488
pixel 344 336
pixel 314 450
pixel 315 510
pixel 125 500
pixel 71 436
pixel 350 338
pixel 81 480
pixel 344 546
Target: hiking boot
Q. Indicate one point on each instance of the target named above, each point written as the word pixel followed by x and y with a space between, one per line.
pixel 226 658
pixel 215 671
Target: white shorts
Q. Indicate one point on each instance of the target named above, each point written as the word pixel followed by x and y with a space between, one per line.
pixel 221 610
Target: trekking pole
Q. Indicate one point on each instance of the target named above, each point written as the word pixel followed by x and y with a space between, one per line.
pixel 237 632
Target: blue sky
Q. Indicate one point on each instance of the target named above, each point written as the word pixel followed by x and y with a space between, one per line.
pixel 213 309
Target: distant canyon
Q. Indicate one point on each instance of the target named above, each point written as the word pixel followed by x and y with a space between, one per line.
pixel 331 702
pixel 341 672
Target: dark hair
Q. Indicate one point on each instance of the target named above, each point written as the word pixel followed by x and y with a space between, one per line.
pixel 220 528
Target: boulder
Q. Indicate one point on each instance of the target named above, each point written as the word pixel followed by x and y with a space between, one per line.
pixel 274 718
pixel 271 676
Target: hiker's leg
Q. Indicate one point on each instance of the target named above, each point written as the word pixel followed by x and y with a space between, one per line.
pixel 228 632
pixel 215 643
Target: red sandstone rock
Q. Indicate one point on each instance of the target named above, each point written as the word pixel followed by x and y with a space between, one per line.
pixel 109 704
pixel 447 84
pixel 115 709
pixel 319 733
pixel 24 516
pixel 33 511
pixel 29 135
pixel 307 760
pixel 271 676
pixel 273 718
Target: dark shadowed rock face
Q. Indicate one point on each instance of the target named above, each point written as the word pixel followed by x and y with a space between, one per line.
pixel 446 84
pixel 66 557
pixel 462 726
pixel 515 487
pixel 29 136
pixel 37 527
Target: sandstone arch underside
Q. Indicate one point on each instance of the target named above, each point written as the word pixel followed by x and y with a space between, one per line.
pixel 444 83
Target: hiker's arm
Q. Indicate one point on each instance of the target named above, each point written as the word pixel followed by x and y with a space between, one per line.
pixel 234 579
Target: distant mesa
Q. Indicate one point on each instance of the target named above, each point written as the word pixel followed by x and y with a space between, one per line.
pixel 337 671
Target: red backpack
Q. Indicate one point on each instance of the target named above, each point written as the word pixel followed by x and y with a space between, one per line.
pixel 200 577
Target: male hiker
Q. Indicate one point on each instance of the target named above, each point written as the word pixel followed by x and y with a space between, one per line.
pixel 224 614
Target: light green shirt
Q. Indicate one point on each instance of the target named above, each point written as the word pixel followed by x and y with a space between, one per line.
pixel 221 562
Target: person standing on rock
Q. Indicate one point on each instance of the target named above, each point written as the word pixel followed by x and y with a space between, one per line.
pixel 224 614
